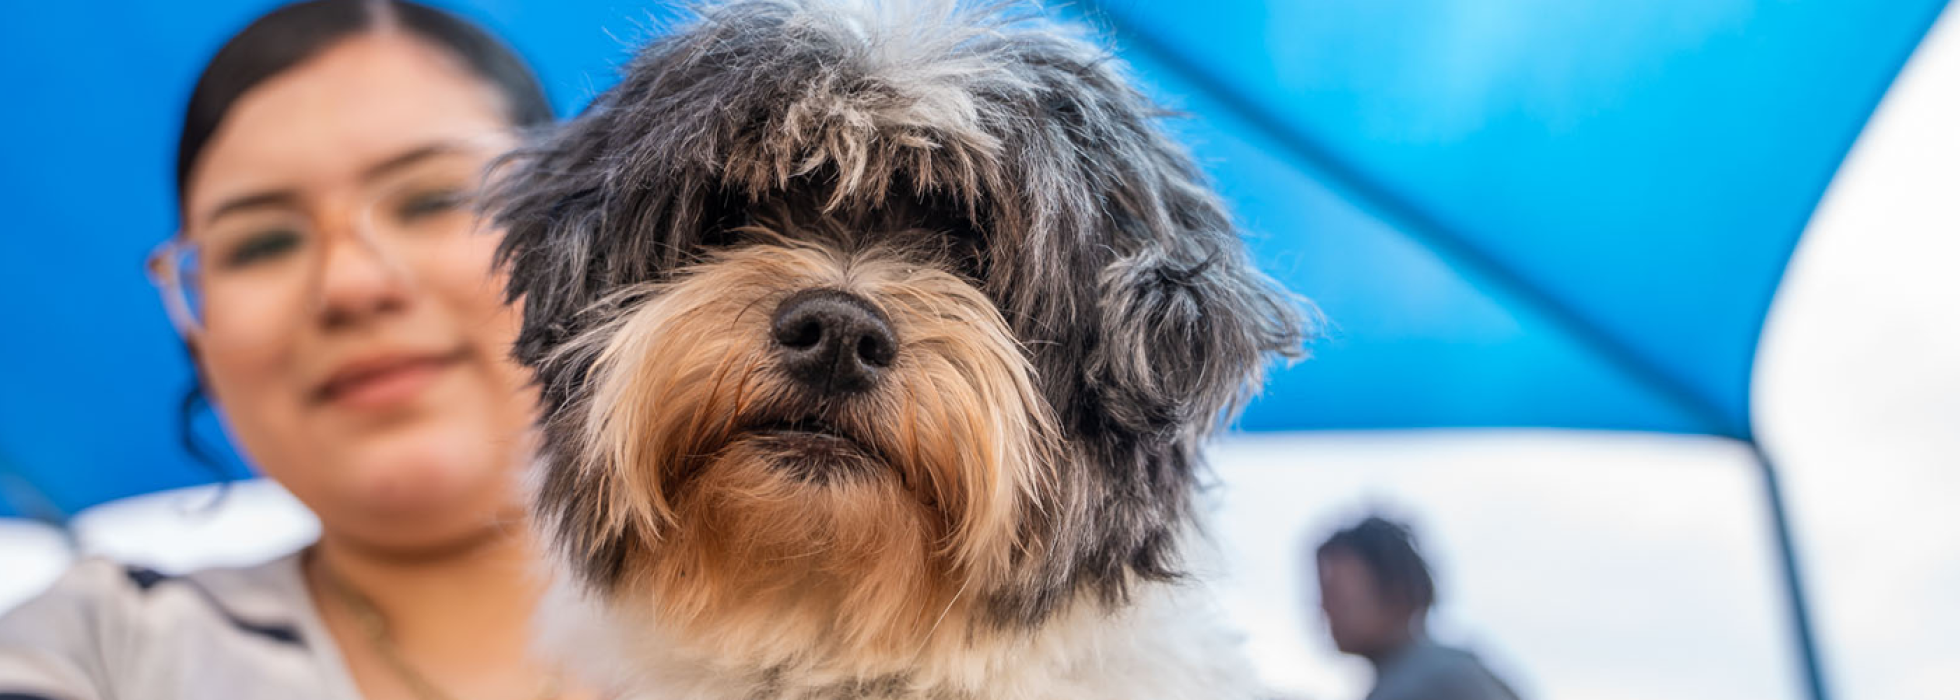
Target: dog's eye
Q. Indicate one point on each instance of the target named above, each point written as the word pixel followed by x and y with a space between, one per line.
pixel 969 251
pixel 718 237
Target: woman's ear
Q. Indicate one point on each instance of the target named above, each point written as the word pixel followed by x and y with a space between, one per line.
pixel 198 383
pixel 196 399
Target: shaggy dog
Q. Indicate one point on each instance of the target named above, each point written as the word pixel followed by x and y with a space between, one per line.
pixel 877 342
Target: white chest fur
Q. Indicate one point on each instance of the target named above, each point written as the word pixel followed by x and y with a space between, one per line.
pixel 1169 643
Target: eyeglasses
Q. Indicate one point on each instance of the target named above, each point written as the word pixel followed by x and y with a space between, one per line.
pixel 258 263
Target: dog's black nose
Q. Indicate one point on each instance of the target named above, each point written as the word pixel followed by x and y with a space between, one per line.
pixel 833 341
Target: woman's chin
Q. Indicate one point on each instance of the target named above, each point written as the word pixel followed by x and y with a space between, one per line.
pixel 430 487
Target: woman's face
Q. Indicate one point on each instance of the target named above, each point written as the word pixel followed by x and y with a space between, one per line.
pixel 353 333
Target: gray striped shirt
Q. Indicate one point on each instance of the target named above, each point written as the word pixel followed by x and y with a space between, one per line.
pixel 106 631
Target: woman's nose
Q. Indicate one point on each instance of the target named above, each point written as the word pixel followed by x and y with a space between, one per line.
pixel 357 279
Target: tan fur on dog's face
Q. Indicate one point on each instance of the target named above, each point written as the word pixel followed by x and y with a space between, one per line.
pixel 866 547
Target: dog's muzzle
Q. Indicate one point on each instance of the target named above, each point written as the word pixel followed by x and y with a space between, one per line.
pixel 833 342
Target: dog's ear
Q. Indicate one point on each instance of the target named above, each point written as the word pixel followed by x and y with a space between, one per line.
pixel 1186 328
pixel 621 195
pixel 1184 322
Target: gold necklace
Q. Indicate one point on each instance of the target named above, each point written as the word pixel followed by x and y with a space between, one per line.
pixel 374 626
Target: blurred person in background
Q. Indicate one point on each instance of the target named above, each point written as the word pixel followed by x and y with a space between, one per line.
pixel 337 297
pixel 1376 592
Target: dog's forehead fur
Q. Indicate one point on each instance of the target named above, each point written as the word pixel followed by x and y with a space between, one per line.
pixel 1110 258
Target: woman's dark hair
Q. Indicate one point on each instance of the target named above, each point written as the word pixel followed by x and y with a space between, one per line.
pixel 290 35
pixel 1389 552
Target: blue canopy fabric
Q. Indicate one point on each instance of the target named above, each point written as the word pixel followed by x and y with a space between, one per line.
pixel 1512 212
pixel 1623 180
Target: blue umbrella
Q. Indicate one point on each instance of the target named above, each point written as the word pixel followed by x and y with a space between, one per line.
pixel 1513 212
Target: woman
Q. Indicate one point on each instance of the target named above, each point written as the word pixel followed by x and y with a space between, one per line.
pixel 337 299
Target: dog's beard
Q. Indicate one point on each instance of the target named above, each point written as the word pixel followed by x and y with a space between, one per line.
pixel 771 525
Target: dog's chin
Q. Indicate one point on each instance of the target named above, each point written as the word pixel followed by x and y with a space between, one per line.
pixel 813 452
pixel 797 541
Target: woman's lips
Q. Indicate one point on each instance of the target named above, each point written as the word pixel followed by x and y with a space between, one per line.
pixel 384 382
